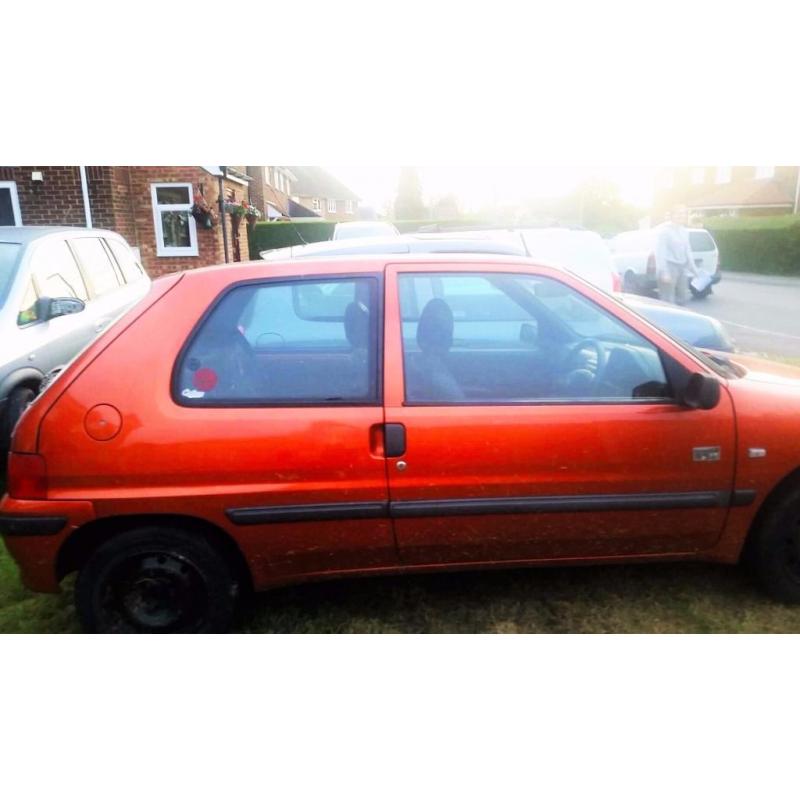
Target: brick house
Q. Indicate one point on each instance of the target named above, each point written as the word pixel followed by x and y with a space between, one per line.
pixel 149 206
pixel 271 190
pixel 323 194
pixel 729 191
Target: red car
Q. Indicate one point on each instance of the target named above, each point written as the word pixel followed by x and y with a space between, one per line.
pixel 254 425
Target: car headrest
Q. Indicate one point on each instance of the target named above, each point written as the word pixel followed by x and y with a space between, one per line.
pixel 435 328
pixel 356 325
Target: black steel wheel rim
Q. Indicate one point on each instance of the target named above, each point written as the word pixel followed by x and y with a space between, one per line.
pixel 158 592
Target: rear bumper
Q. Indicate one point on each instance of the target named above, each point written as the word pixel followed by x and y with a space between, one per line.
pixel 34 532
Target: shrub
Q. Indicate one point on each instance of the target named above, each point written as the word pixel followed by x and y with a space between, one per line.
pixel 271 235
pixel 769 245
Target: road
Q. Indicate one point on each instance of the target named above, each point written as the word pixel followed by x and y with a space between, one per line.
pixel 761 312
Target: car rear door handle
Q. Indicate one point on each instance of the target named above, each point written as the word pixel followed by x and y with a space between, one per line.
pixel 394 439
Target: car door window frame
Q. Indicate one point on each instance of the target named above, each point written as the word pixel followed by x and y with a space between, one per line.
pixel 377 282
pixel 663 357
pixel 86 273
pixel 33 269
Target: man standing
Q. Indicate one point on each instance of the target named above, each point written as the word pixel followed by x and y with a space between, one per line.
pixel 674 260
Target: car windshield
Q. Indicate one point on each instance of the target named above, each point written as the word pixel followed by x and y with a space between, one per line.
pixel 9 251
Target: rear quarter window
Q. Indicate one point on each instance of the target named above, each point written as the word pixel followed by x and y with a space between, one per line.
pixel 701 241
pixel 285 343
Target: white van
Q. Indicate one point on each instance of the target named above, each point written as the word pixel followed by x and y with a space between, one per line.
pixel 633 254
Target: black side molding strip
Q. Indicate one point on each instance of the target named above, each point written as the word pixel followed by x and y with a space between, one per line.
pixel 30 526
pixel 306 513
pixel 743 497
pixel 532 505
pixel 490 505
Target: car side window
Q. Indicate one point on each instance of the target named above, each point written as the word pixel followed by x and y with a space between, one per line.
pixel 27 312
pixel 509 338
pixel 131 269
pixel 56 272
pixel 96 263
pixel 285 343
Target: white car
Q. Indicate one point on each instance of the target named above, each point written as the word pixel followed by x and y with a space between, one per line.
pixel 359 230
pixel 582 252
pixel 633 256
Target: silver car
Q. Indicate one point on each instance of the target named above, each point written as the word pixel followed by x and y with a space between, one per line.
pixel 59 288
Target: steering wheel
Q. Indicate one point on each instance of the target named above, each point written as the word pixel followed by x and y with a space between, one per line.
pixel 585 367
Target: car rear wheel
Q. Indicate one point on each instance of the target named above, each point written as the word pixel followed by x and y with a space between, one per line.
pixel 156 580
pixel 774 553
pixel 17 402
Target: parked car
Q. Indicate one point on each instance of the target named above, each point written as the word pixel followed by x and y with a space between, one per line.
pixel 341 417
pixel 634 259
pixel 358 230
pixel 582 252
pixel 59 288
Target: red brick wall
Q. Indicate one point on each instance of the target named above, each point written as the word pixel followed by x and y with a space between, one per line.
pixel 120 200
pixel 56 200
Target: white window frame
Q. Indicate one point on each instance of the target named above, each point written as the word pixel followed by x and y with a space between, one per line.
pixel 331 205
pixel 162 251
pixel 723 175
pixel 348 206
pixel 12 187
pixel 762 173
pixel 697 175
pixel 315 204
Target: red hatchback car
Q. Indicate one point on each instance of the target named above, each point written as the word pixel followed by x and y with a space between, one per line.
pixel 254 425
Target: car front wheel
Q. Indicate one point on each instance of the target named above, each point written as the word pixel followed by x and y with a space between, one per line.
pixel 17 402
pixel 156 580
pixel 774 553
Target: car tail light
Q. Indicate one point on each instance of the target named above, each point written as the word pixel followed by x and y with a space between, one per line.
pixel 27 476
pixel 616 282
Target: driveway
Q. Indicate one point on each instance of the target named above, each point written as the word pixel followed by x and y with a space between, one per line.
pixel 761 312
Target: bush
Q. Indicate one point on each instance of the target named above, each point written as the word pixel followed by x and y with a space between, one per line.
pixel 271 235
pixel 769 245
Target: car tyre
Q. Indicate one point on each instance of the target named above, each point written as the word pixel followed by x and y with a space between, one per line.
pixel 629 283
pixel 16 404
pixel 156 580
pixel 774 553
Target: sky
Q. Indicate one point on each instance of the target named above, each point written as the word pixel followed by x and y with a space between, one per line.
pixel 478 186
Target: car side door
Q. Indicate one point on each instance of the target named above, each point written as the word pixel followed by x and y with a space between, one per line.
pixel 53 272
pixel 532 423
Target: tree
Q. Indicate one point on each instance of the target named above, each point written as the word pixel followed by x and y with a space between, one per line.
pixel 408 203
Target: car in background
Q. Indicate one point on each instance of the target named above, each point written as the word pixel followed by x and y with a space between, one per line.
pixel 633 257
pixel 583 253
pixel 362 228
pixel 59 289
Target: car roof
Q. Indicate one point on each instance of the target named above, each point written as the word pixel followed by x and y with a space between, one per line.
pixel 22 234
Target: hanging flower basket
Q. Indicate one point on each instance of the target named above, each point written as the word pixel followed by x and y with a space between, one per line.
pixel 204 214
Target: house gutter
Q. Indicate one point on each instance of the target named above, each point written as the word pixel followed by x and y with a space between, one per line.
pixel 87 211
pixel 797 192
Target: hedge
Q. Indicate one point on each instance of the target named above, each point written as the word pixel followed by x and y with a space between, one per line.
pixel 270 235
pixel 282 233
pixel 769 245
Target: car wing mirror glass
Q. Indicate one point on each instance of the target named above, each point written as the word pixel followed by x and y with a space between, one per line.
pixel 52 307
pixel 701 391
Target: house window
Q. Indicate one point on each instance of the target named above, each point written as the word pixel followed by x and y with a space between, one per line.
pixel 315 204
pixel 349 206
pixel 9 204
pixel 331 206
pixel 698 174
pixel 176 233
pixel 765 172
pixel 723 175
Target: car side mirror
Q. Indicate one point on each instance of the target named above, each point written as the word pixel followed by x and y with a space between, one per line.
pixel 52 307
pixel 701 391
